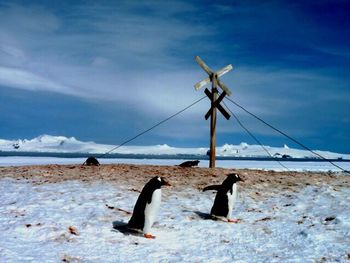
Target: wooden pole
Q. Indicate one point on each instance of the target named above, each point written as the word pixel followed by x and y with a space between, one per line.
pixel 213 122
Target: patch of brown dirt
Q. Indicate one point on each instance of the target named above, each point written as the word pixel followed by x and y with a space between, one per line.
pixel 135 176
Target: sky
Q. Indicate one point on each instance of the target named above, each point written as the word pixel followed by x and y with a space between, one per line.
pixel 105 71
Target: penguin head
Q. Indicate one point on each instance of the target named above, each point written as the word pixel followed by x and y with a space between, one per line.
pixel 232 179
pixel 158 182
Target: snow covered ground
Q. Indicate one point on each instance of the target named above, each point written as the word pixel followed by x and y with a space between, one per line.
pixel 70 222
pixel 264 165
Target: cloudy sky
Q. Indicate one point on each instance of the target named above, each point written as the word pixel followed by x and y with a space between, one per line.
pixel 107 70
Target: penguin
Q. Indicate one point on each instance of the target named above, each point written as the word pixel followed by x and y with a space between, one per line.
pixel 91 161
pixel 147 206
pixel 189 163
pixel 225 198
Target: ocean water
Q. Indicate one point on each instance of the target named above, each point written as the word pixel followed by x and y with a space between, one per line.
pixel 160 156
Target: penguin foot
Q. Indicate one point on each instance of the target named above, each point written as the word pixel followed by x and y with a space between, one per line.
pixel 235 221
pixel 149 236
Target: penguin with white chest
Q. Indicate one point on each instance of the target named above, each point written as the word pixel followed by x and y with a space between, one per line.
pixel 225 197
pixel 147 206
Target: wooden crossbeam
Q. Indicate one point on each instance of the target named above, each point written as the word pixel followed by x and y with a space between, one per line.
pixel 219 73
pixel 216 104
pixel 224 88
pixel 203 65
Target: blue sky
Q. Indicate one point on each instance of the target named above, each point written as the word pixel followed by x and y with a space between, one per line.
pixel 107 70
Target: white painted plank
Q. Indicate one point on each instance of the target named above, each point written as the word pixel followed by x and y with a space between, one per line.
pixel 224 70
pixel 202 83
pixel 226 89
pixel 203 65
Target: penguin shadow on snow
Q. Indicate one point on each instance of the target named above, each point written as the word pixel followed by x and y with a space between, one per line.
pixel 122 227
pixel 204 216
pixel 198 214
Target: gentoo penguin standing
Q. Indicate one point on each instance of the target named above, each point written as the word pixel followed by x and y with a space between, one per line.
pixel 146 207
pixel 225 197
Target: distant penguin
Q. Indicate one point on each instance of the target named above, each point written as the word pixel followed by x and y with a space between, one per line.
pixel 189 163
pixel 147 206
pixel 225 197
pixel 92 161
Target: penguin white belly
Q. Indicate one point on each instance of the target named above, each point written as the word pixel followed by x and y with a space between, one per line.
pixel 231 199
pixel 152 210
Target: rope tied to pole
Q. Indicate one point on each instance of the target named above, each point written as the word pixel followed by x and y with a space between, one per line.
pixel 151 128
pixel 254 137
pixel 287 136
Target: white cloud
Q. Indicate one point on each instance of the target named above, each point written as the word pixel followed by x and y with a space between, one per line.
pixel 105 51
pixel 12 77
pixel 120 54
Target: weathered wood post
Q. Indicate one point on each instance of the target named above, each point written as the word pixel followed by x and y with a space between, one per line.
pixel 214 92
pixel 215 102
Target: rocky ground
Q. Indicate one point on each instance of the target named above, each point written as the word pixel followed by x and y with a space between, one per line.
pixel 135 176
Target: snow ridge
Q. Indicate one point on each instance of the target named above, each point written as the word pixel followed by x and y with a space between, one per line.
pixel 62 144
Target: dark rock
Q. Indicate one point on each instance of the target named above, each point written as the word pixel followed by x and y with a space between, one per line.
pixel 330 218
pixel 16 146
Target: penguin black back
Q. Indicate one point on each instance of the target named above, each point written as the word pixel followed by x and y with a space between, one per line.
pixel 91 161
pixel 226 184
pixel 220 206
pixel 137 220
pixel 189 163
pixel 229 181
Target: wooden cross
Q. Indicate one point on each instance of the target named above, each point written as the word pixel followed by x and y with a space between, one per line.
pixel 213 76
pixel 215 102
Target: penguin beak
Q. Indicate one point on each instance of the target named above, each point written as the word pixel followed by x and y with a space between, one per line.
pixel 241 179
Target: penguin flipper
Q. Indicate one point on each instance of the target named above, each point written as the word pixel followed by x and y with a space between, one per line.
pixel 212 187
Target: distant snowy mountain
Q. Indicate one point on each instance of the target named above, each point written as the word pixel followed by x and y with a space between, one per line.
pixel 61 144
